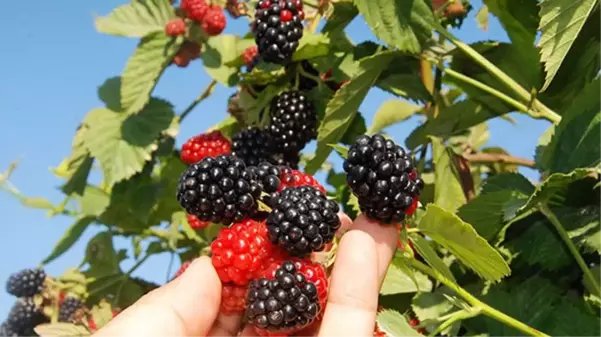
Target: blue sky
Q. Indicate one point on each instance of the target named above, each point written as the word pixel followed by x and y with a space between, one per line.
pixel 52 62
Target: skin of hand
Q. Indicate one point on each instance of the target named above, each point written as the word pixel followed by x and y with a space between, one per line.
pixel 189 305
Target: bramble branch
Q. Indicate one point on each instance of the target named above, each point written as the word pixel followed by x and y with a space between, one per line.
pixel 483 158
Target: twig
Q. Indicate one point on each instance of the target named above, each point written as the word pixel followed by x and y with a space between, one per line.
pixel 498 158
pixel 206 93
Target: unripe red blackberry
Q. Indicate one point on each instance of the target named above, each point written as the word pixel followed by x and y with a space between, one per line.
pixel 175 27
pixel 302 220
pixel 214 21
pixel 24 316
pixel 293 122
pixel 289 299
pixel 26 283
pixel 295 178
pixel 233 299
pixel 195 9
pixel 195 223
pixel 382 176
pixel 209 144
pixel 221 190
pixel 239 252
pixel 249 55
pixel 182 269
pixel 68 308
pixel 278 27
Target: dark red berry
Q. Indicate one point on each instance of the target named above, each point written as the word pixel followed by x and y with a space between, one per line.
pixel 205 145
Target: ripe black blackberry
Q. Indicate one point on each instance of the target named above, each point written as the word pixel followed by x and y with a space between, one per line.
pixel 285 303
pixel 302 220
pixel 26 283
pixel 24 316
pixel 68 308
pixel 278 27
pixel 7 331
pixel 293 122
pixel 253 145
pixel 382 176
pixel 290 159
pixel 221 190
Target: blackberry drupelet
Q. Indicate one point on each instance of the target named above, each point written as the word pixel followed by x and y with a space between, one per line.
pixel 252 145
pixel 269 177
pixel 302 220
pixel 221 190
pixel 293 122
pixel 285 303
pixel 7 331
pixel 382 176
pixel 68 308
pixel 24 316
pixel 26 283
pixel 278 27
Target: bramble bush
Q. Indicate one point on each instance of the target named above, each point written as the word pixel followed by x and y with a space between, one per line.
pixel 484 251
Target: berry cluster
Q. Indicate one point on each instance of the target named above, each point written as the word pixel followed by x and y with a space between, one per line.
pixel 278 27
pixel 382 176
pixel 24 315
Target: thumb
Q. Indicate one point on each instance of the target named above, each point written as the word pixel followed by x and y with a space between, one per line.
pixel 186 306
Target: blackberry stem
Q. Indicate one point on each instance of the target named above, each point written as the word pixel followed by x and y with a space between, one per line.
pixel 542 110
pixel 204 95
pixel 588 275
pixel 454 317
pixel 475 302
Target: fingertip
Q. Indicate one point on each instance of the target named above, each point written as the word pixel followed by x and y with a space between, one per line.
pixel 385 237
pixel 345 224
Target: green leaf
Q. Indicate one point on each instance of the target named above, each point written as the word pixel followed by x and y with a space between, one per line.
pixel 94 201
pixel 343 107
pixel 227 126
pixel 430 306
pixel 61 330
pixel 218 52
pixel 426 251
pixel 102 314
pixel 489 211
pixel 520 20
pixel 122 143
pixel 394 324
pixel 555 183
pixel 508 181
pixel 560 23
pixel 137 19
pixel 143 69
pixel 110 93
pixel 342 151
pixel 461 239
pixel 101 256
pixel 181 218
pixel 71 235
pixel 398 281
pixel 311 45
pixel 356 129
pixel 390 113
pixel 78 180
pixel 448 192
pixel 572 320
pixel 36 202
pixel 403 24
pixel 256 108
pixel 342 14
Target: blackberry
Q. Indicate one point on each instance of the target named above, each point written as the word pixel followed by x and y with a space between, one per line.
pixel 290 159
pixel 382 176
pixel 285 303
pixel 7 331
pixel 252 145
pixel 221 190
pixel 278 27
pixel 303 220
pixel 293 122
pixel 26 283
pixel 24 316
pixel 68 308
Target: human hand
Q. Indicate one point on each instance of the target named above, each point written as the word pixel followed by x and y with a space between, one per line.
pixel 189 305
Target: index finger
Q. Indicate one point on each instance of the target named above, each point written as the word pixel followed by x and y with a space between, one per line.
pixel 361 263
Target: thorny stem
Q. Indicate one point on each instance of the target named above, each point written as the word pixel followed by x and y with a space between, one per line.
pixel 498 158
pixel 476 303
pixel 542 111
pixel 206 93
pixel 588 275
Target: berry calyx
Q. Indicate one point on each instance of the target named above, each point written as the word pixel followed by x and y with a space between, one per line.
pixel 195 9
pixel 26 283
pixel 378 173
pixel 220 190
pixel 195 223
pixel 175 27
pixel 214 21
pixel 302 220
pixel 239 252
pixel 205 145
pixel 291 297
pixel 278 28
pixel 293 121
